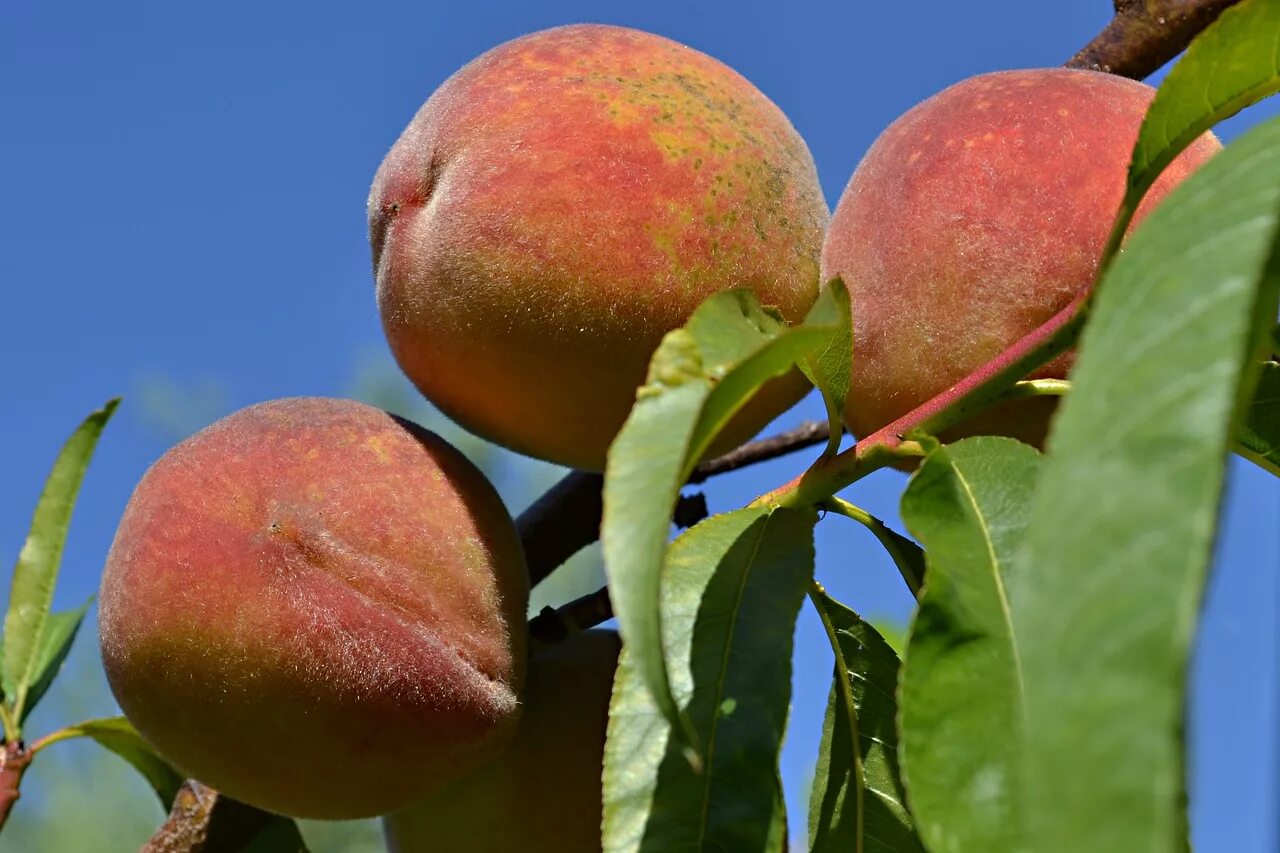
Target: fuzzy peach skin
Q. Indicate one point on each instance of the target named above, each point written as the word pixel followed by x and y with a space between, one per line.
pixel 973 219
pixel 544 794
pixel 563 201
pixel 318 609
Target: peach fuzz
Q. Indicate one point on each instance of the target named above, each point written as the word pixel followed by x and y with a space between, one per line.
pixel 317 608
pixel 563 201
pixel 543 795
pixel 973 219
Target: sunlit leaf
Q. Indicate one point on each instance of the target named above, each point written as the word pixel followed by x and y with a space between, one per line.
pixel 31 592
pixel 699 377
pixel 962 680
pixel 1235 62
pixel 119 736
pixel 1123 522
pixel 829 367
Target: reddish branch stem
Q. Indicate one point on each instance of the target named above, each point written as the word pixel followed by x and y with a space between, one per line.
pixel 13 763
pixel 1144 35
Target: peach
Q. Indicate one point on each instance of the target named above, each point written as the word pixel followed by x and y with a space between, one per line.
pixel 317 608
pixel 974 218
pixel 544 794
pixel 563 201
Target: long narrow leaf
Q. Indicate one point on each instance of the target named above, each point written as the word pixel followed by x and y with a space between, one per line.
pixel 858 802
pixel 117 735
pixel 37 571
pixel 1123 522
pixel 962 702
pixel 699 377
pixel 732 588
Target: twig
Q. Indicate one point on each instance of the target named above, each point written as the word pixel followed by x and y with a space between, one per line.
pixel 204 821
pixel 553 625
pixel 14 761
pixel 1145 34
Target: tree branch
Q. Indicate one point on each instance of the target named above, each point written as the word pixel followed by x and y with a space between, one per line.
pixel 566 518
pixel 1145 34
pixel 204 821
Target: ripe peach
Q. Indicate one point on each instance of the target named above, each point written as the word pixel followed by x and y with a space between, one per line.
pixel 974 218
pixel 562 202
pixel 544 793
pixel 318 609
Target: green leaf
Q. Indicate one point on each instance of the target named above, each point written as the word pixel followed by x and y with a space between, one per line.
pixel 37 571
pixel 55 643
pixel 829 368
pixel 699 377
pixel 962 703
pixel 1235 62
pixel 1123 522
pixel 858 800
pixel 1258 438
pixel 731 591
pixel 119 736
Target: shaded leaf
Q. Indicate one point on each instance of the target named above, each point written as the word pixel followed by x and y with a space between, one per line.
pixel 731 591
pixel 844 816
pixel 1123 522
pixel 699 377
pixel 55 643
pixel 119 736
pixel 962 704
pixel 34 577
pixel 1258 438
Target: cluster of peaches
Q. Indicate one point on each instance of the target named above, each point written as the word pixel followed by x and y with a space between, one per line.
pixel 319 608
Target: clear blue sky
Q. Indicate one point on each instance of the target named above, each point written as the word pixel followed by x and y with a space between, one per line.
pixel 183 189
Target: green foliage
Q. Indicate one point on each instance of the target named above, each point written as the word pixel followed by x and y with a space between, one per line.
pixel 56 637
pixel 731 589
pixel 858 801
pixel 962 682
pixel 699 377
pixel 36 573
pixel 1258 438
pixel 1123 521
pixel 119 736
pixel 829 368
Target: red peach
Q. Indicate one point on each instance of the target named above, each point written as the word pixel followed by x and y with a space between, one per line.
pixel 562 202
pixel 974 218
pixel 317 608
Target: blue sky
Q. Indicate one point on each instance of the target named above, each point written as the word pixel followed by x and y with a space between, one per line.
pixel 183 193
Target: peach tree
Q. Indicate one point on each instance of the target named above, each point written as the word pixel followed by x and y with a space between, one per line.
pixel 1128 311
